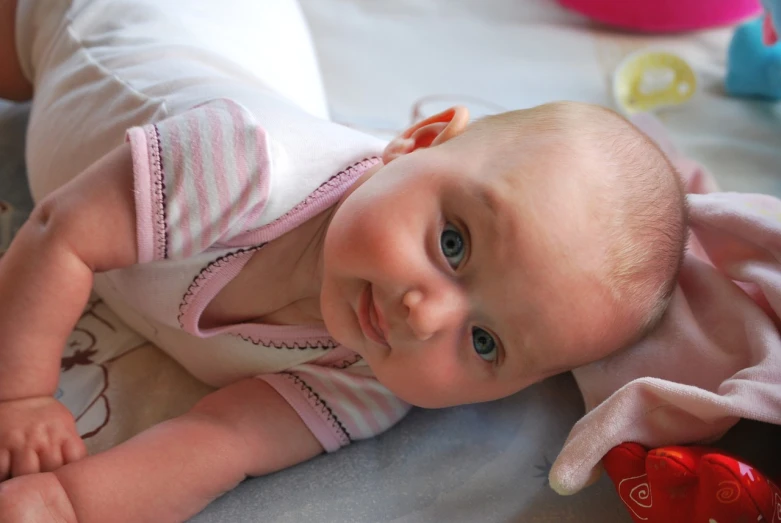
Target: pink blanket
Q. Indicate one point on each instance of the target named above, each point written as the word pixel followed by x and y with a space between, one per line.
pixel 715 358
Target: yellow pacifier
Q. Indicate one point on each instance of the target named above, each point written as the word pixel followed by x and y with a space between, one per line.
pixel 649 80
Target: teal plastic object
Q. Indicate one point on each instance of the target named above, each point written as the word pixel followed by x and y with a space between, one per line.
pixel 753 68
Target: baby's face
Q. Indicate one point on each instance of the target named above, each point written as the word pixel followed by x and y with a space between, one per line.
pixel 462 276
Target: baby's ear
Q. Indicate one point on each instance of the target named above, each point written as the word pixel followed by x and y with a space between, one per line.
pixel 434 130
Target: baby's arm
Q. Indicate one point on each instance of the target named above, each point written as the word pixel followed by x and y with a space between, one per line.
pixel 174 469
pixel 87 225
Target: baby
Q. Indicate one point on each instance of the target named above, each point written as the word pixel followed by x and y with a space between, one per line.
pixel 323 280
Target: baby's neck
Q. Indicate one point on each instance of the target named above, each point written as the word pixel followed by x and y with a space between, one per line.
pixel 279 285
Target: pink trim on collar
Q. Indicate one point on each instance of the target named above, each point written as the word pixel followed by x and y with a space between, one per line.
pixel 216 275
pixel 321 199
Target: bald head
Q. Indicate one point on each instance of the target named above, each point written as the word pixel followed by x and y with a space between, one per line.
pixel 637 207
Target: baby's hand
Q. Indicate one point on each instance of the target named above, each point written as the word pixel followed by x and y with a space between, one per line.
pixel 38 498
pixel 36 435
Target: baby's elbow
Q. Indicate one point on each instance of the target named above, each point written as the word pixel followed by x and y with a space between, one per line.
pixel 49 221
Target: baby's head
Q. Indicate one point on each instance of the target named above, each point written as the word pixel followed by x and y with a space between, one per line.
pixel 484 257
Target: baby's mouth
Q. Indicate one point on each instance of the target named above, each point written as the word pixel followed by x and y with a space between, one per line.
pixel 369 318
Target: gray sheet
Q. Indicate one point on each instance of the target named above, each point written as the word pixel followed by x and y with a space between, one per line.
pixel 481 463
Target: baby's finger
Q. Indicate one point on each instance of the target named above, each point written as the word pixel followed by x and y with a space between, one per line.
pixel 50 459
pixel 5 464
pixel 24 461
pixel 73 449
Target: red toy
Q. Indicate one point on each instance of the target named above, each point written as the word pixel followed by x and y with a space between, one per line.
pixel 691 485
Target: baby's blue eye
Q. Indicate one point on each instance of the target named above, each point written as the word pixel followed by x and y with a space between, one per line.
pixel 484 344
pixel 452 243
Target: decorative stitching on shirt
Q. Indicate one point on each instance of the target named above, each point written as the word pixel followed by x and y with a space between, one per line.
pixel 347 362
pixel 321 405
pixel 326 344
pixel 214 266
pixel 322 343
pixel 158 186
pixel 204 273
pixel 327 186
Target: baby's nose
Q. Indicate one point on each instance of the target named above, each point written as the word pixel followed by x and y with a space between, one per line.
pixel 430 313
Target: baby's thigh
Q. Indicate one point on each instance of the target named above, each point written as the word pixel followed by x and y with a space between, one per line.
pixel 267 38
pixel 100 67
pixel 80 109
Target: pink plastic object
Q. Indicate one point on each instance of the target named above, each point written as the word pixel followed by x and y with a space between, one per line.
pixel 666 15
pixel 769 36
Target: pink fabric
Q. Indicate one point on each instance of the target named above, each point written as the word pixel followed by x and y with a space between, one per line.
pixel 666 15
pixel 338 401
pixel 205 287
pixel 146 233
pixel 207 174
pixel 315 414
pixel 715 358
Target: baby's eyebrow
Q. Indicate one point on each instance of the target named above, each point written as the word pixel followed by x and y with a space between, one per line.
pixel 487 198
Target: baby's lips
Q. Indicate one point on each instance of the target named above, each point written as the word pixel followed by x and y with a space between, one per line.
pixel 769 36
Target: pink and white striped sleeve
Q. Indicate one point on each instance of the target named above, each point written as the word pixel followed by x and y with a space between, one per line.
pixel 338 405
pixel 199 177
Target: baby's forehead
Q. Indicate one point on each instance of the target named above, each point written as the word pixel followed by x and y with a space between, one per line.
pixel 496 196
pixel 510 179
pixel 495 214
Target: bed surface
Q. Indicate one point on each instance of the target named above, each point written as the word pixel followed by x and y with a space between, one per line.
pixel 385 63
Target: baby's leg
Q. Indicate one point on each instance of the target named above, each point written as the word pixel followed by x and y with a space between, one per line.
pixel 269 39
pixel 13 85
pixel 100 67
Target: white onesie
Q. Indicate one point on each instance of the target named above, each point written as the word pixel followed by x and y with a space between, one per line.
pixel 223 164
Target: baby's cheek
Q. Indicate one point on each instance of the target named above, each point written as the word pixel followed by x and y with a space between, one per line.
pixel 429 382
pixel 337 314
pixel 358 236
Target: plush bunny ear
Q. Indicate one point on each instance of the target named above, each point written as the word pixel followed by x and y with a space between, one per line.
pixel 722 321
